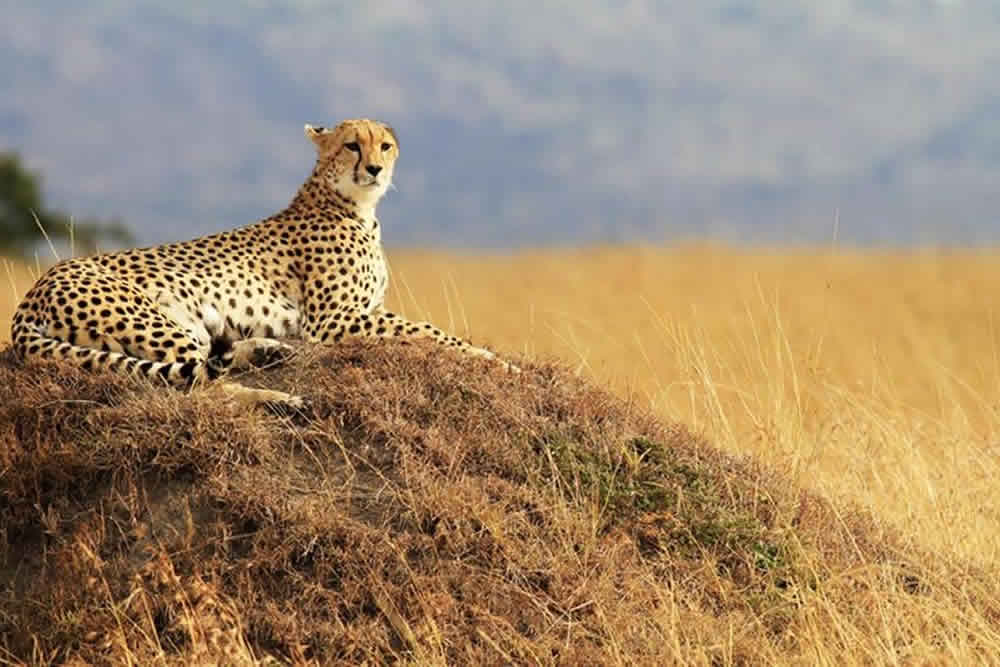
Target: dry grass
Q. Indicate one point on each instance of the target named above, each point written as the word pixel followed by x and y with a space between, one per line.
pixel 435 510
pixel 871 377
pixel 15 279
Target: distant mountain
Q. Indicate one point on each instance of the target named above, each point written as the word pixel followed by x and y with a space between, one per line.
pixel 523 122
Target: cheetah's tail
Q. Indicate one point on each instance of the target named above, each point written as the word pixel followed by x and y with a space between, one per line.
pixel 30 344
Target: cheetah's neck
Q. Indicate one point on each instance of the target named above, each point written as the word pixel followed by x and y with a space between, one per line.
pixel 315 196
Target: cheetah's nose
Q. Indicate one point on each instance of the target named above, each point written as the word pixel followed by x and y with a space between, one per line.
pixel 373 169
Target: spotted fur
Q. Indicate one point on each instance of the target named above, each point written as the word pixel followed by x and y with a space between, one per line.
pixel 192 311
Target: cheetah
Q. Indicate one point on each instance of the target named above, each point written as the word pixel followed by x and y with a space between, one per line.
pixel 191 312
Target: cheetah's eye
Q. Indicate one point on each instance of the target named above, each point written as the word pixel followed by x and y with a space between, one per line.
pixel 386 146
pixel 353 146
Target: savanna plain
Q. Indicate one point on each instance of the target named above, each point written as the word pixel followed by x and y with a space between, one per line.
pixel 869 377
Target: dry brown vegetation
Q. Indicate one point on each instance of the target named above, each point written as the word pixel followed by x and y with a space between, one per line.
pixel 438 510
pixel 435 510
pixel 871 376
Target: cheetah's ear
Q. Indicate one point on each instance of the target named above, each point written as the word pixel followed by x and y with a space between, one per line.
pixel 315 133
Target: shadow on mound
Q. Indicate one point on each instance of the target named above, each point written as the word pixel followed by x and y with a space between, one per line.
pixel 430 508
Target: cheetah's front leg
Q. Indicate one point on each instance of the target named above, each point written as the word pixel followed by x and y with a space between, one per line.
pixel 384 324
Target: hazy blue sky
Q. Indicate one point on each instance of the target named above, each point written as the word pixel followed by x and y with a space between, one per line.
pixel 542 122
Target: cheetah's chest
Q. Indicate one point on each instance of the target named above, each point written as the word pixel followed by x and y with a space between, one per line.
pixel 380 274
pixel 365 261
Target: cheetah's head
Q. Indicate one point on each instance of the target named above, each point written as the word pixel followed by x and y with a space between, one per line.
pixel 356 158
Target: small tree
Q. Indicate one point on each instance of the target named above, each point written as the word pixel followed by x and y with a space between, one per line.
pixel 21 202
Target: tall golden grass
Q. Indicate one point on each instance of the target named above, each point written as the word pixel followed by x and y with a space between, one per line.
pixel 870 376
